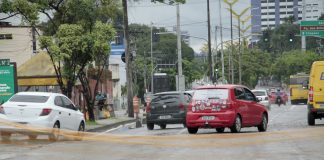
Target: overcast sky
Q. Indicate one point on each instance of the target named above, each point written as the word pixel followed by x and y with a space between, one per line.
pixel 193 17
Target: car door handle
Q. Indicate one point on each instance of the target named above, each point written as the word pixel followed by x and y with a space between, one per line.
pixel 69 114
pixel 59 112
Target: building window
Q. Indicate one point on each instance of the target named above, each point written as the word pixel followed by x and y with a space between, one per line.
pixel 308 10
pixel 5 36
pixel 315 10
pixel 315 17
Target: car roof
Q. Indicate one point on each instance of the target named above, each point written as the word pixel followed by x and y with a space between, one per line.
pixel 171 92
pixel 38 93
pixel 222 86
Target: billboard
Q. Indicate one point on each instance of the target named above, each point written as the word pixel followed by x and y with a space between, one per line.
pixel 8 80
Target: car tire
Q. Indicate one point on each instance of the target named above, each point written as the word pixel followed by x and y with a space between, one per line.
pixel 163 126
pixel 192 130
pixel 220 130
pixel 55 134
pixel 80 134
pixel 5 136
pixel 262 127
pixel 150 126
pixel 32 137
pixel 236 128
pixel 310 118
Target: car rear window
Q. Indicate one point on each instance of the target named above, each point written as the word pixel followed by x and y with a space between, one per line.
pixel 166 97
pixel 259 93
pixel 29 98
pixel 205 94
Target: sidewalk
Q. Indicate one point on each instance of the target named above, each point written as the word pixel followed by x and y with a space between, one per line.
pixel 106 124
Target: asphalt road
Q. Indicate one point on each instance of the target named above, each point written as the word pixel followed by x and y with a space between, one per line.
pixel 288 137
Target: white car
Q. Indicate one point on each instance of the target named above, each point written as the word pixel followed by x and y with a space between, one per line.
pixel 263 97
pixel 27 112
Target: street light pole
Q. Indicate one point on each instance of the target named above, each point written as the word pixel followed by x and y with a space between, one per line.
pixel 303 38
pixel 209 45
pixel 221 39
pixel 152 73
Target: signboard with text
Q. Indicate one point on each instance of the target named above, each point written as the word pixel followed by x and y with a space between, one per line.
pixel 8 80
pixel 312 28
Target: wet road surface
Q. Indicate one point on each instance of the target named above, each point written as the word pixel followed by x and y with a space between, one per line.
pixel 288 137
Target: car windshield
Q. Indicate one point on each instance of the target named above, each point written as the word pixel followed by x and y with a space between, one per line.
pixel 205 94
pixel 259 93
pixel 29 98
pixel 165 97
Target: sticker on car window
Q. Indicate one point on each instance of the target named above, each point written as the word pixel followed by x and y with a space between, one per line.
pixel 322 76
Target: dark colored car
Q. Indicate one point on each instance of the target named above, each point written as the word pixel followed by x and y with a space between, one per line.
pixel 221 106
pixel 167 108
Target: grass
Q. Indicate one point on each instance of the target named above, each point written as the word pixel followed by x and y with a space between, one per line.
pixel 91 123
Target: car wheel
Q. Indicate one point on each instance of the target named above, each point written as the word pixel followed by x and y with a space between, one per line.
pixel 5 136
pixel 220 130
pixel 236 128
pixel 192 130
pixel 262 127
pixel 32 137
pixel 55 134
pixel 162 126
pixel 311 119
pixel 150 126
pixel 80 133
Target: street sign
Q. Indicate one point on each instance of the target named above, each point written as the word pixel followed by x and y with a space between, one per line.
pixel 4 62
pixel 8 81
pixel 312 28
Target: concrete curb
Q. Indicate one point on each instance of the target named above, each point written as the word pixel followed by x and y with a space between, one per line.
pixel 105 127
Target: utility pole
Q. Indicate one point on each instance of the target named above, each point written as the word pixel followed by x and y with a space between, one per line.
pixel 303 38
pixel 180 76
pixel 145 84
pixel 152 71
pixel 129 70
pixel 221 39
pixel 216 58
pixel 209 45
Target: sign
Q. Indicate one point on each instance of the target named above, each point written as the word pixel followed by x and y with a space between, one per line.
pixel 4 62
pixel 8 81
pixel 312 28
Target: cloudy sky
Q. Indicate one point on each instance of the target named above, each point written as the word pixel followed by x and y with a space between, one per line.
pixel 193 17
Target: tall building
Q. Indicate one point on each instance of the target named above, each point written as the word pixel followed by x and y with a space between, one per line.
pixel 272 13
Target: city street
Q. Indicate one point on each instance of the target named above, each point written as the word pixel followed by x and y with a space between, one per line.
pixel 288 137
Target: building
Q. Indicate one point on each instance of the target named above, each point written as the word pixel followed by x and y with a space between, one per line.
pixel 17 43
pixel 271 13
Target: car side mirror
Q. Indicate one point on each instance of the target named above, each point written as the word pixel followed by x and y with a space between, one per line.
pixel 77 107
pixel 305 84
pixel 259 99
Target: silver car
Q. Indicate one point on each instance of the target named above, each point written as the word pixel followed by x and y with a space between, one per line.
pixel 263 97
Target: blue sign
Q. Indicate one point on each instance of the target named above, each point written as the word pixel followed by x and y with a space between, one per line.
pixel 117 49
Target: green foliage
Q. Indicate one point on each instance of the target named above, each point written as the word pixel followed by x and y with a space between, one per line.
pixel 293 62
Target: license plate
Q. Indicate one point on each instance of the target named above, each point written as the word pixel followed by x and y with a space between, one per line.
pixel 208 118
pixel 165 117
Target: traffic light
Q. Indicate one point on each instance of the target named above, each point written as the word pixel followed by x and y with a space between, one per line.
pixel 266 36
pixel 155 36
pixel 291 37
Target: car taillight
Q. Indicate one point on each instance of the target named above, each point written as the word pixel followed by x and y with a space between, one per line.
pixel 45 112
pixel 181 106
pixel 2 110
pixel 311 94
pixel 148 108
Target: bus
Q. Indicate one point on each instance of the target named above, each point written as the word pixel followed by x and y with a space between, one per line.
pixel 298 94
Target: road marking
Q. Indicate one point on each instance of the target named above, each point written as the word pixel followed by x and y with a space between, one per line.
pixel 113 129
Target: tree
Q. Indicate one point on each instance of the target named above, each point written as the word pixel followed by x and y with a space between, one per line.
pixel 75 48
pixel 68 22
pixel 321 17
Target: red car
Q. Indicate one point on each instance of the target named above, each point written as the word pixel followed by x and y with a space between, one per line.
pixel 283 95
pixel 221 106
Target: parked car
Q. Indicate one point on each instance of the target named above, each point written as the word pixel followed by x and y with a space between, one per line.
pixel 222 106
pixel 263 97
pixel 46 112
pixel 283 95
pixel 167 108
